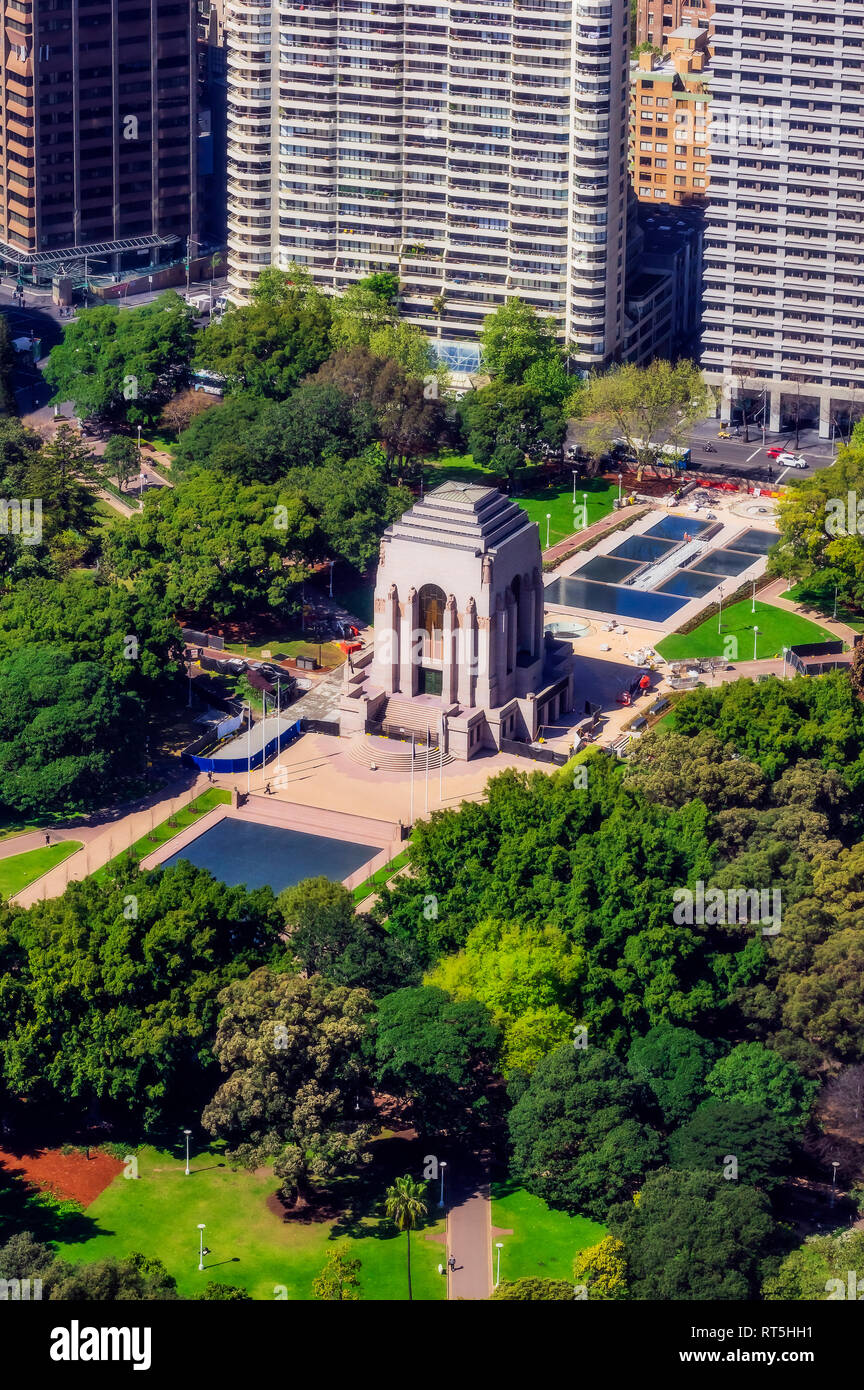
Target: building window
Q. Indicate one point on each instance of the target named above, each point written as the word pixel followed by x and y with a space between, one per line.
pixel 431 605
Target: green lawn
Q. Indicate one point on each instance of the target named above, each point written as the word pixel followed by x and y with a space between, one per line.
pixel 558 503
pixel 544 1242
pixel 214 796
pixel 250 1243
pixel 380 877
pixel 19 870
pixel 823 602
pixel 777 629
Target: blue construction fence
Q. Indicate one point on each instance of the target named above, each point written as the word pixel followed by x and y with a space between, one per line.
pixel 224 765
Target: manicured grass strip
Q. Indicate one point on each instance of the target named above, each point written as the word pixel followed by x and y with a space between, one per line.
pixel 380 877
pixel 20 870
pixel 823 602
pixel 558 502
pixel 544 1242
pixel 214 796
pixel 250 1244
pixel 777 629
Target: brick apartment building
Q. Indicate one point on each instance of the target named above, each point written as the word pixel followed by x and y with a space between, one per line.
pixel 97 151
pixel 657 19
pixel 669 119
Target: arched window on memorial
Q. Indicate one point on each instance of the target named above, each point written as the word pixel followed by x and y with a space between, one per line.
pixel 431 601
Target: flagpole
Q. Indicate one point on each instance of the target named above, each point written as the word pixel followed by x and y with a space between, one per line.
pixel 427 769
pixel 411 816
pixel 441 758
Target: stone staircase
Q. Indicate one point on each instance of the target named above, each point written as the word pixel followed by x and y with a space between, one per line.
pixel 412 715
pixel 392 755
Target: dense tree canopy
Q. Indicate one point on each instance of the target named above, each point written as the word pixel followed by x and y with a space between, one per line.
pixel 109 995
pixel 68 735
pixel 578 1135
pixel 264 349
pixel 124 364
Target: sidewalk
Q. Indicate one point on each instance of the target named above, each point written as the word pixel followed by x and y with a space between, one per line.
pixel 469 1237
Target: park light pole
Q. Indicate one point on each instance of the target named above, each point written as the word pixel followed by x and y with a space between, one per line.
pixel 753 598
pixel 499 1246
pixel 248 709
pixel 584 511
pixel 442 1165
pixel 200 1245
pixel 720 614
pixel 755 641
pixel 834 1166
pixel 620 481
pixel 187 1132
pixel 548 519
pixel 332 563
pixel 573 471
pixel 834 614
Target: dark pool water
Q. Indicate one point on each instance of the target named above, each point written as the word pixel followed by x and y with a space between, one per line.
pixel 609 598
pixel 675 528
pixel 238 851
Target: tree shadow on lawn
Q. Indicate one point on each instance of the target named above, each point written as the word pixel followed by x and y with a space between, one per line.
pixel 49 1219
pixel 355 1205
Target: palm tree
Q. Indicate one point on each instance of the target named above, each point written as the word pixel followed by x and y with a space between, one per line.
pixel 405 1206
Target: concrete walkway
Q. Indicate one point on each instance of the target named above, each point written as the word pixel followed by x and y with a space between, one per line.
pixel 469 1236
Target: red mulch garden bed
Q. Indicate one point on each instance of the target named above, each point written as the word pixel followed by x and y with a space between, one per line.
pixel 70 1175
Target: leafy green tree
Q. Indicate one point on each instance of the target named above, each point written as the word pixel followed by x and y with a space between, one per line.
pixel 110 1000
pixel 752 1074
pixel 439 1053
pixel 602 1270
pixel 7 363
pixel 217 547
pixel 329 938
pixel 514 337
pixel 133 635
pixel 361 311
pixel 68 735
pixel 577 1135
pixel 407 420
pixel 673 1063
pixel 508 416
pixel 820 529
pixel 352 503
pixel 405 1206
pixel 525 976
pixel 264 349
pixel 692 1235
pixel 533 1290
pixel 720 1129
pixel 675 769
pixel 646 407
pixel 819 1270
pixel 121 459
pixel 296 1088
pixel 124 365
pixel 138 1278
pixel 338 1281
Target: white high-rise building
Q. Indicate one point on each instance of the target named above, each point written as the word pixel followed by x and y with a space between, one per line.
pixel 784 304
pixel 479 150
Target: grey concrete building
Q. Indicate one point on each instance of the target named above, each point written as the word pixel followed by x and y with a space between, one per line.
pixel 784 309
pixel 459 637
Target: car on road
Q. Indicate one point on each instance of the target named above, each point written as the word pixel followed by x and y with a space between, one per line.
pixel 776 451
pixel 791 461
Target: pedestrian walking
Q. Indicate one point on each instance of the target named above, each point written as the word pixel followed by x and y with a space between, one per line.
pixel 451 1263
pixel 47 838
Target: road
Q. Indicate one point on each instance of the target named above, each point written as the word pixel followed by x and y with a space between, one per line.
pixel 747 458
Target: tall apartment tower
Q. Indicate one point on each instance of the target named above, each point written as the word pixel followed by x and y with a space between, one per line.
pixel 784 303
pixel 656 20
pixel 97 142
pixel 478 148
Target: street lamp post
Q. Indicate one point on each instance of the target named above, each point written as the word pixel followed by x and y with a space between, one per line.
pixel 248 708
pixel 753 598
pixel 574 486
pixel 499 1246
pixel 584 511
pixel 548 519
pixel 620 480
pixel 200 1245
pixel 187 1132
pixel 720 614
pixel 755 641
pixel 834 614
pixel 332 563
pixel 442 1165
pixel 834 1166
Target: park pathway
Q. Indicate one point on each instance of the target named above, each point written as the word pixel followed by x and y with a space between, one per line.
pixel 469 1235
